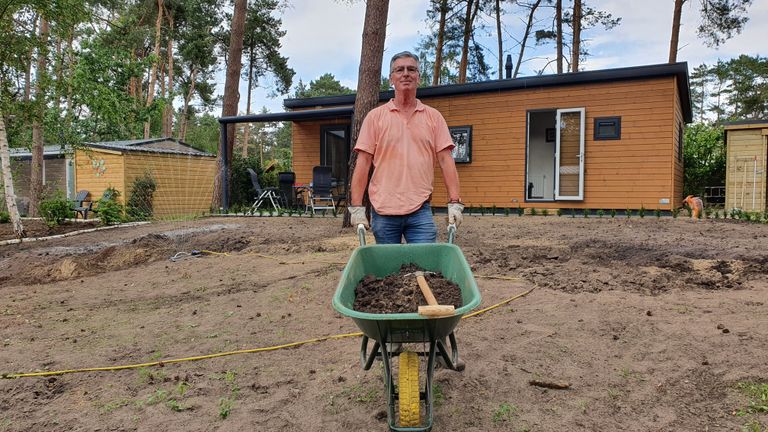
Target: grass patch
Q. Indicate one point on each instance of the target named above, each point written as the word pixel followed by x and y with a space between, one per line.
pixel 504 413
pixel 757 393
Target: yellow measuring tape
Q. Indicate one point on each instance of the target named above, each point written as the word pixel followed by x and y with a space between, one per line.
pixel 245 351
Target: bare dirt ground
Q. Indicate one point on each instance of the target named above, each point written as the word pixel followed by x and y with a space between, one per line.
pixel 656 324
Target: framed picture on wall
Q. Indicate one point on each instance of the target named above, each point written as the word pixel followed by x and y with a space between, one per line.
pixel 462 139
pixel 549 134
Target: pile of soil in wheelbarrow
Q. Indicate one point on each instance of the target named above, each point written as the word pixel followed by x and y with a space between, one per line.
pixel 400 293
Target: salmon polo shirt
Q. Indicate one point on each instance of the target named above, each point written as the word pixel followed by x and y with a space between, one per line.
pixel 404 153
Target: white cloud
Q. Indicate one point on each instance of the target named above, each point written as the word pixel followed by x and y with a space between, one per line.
pixel 325 36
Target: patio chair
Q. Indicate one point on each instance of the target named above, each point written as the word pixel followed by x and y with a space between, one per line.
pixel 269 195
pixel 80 204
pixel 286 181
pixel 321 191
pixel 105 196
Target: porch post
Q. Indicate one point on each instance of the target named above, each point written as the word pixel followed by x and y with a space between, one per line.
pixel 224 167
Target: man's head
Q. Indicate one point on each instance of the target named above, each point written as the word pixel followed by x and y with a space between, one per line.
pixel 404 72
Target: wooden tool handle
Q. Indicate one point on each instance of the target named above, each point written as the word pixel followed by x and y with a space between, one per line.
pixel 431 300
pixel 437 311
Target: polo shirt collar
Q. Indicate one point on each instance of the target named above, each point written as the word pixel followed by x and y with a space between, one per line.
pixel 392 107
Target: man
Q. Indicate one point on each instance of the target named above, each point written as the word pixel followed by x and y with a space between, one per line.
pixel 402 139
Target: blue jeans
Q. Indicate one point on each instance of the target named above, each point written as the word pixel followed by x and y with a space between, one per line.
pixel 416 227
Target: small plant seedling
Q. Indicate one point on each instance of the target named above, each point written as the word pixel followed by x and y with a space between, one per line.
pixel 158 396
pixel 600 213
pixel 175 405
pixel 641 212
pixel 504 413
pixel 675 212
pixel 629 213
pixel 225 407
pixel 559 212
pixel 544 212
pixel 506 211
pixel 438 396
pixel 533 211
pixel 657 212
pixel 758 397
pixel 613 213
pixel 586 213
pixel 520 211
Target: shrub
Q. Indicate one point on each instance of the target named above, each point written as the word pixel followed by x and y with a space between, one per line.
pixel 657 212
pixel 629 213
pixel 613 213
pixel 533 211
pixel 139 205
pixel 111 211
pixel 545 212
pixel 54 210
pixel 559 212
pixel 586 213
pixel 641 212
pixel 675 212
pixel 600 213
pixel 4 217
pixel 520 211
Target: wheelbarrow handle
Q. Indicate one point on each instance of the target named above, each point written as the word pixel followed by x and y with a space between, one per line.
pixel 361 234
pixel 451 232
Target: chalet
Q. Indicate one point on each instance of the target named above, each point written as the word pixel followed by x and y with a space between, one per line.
pixel 58 173
pixel 606 139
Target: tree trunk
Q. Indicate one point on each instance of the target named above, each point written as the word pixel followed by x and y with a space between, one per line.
pixel 674 40
pixel 187 99
pixel 36 178
pixel 575 54
pixel 465 46
pixel 231 92
pixel 70 72
pixel 168 111
pixel 153 72
pixel 10 196
pixel 247 126
pixel 528 27
pixel 28 68
pixel 499 40
pixel 439 45
pixel 559 36
pixel 368 79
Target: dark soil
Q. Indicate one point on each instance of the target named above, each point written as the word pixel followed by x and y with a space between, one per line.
pixel 37 228
pixel 400 293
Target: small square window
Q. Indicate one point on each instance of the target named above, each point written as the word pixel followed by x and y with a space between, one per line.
pixel 608 128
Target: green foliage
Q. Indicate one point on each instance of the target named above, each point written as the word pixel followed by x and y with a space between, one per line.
pixel 641 212
pixel 110 210
pixel 629 213
pixel 544 212
pixel 534 212
pixel 675 212
pixel 55 209
pixel 325 85
pixel 758 397
pixel 704 158
pixel 613 213
pixel 520 211
pixel 657 212
pixel 139 206
pixel 240 183
pixel 585 212
pixel 5 217
pixel 504 413
pixel 559 212
pixel 203 133
pixel 600 213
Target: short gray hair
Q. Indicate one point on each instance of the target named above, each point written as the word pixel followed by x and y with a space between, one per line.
pixel 400 55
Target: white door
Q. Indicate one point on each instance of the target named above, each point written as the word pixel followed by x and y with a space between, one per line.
pixel 569 154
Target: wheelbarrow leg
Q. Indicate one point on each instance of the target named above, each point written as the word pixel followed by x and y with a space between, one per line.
pixel 452 360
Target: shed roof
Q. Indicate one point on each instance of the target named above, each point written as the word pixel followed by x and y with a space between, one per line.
pixel 746 124
pixel 50 151
pixel 165 145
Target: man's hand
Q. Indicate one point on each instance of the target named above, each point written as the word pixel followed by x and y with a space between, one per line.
pixel 454 213
pixel 357 216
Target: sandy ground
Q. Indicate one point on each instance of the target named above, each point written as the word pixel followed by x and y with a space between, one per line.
pixel 655 324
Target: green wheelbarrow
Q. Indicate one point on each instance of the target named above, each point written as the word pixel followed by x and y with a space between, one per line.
pixel 412 328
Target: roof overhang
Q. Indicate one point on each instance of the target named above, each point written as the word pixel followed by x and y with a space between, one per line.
pixel 746 124
pixel 677 70
pixel 302 115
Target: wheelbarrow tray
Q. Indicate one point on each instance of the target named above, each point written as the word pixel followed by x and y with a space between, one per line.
pixel 384 260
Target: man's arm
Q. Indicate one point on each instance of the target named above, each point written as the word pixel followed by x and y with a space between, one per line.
pixel 360 178
pixel 450 175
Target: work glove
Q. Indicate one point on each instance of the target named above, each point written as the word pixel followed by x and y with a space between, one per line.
pixel 357 216
pixel 454 213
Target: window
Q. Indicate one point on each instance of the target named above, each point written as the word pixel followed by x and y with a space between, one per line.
pixel 607 128
pixel 334 150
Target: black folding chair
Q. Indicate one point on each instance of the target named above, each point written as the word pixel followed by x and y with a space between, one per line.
pixel 321 192
pixel 269 195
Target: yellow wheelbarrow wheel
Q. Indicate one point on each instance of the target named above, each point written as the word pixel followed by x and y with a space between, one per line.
pixel 408 383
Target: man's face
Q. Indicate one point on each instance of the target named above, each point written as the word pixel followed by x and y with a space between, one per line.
pixel 405 74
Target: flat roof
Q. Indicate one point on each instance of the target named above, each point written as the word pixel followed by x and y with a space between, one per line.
pixel 746 124
pixel 307 114
pixel 678 70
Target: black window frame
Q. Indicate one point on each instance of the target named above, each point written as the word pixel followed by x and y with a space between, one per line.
pixel 600 120
pixel 324 129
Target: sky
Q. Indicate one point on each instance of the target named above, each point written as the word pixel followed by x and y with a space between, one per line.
pixel 324 36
